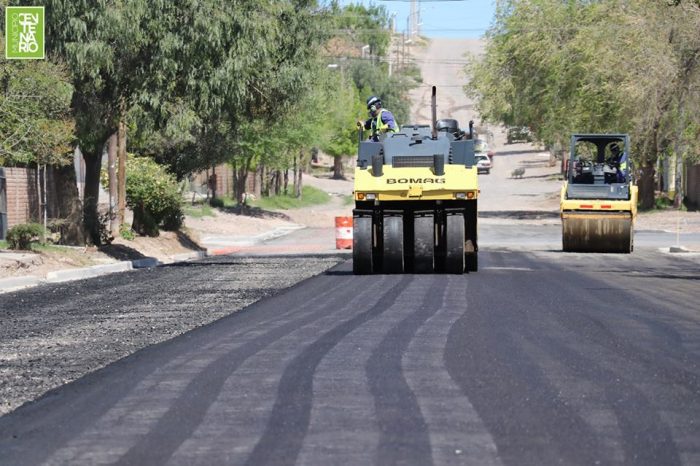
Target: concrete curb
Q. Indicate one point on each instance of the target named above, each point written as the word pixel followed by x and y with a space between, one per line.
pixel 224 244
pixel 145 263
pixel 679 251
pixel 59 276
pixel 87 272
pixel 195 255
pixel 18 283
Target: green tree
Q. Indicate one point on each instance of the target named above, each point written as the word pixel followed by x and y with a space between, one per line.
pixel 581 66
pixel 36 125
pixel 340 122
pixel 193 70
pixel 368 25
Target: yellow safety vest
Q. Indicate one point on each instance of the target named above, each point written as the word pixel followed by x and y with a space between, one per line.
pixel 381 127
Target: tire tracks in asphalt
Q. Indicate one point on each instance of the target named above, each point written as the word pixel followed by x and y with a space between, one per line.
pixel 457 433
pixel 507 386
pixel 95 410
pixel 170 432
pixel 403 433
pixel 289 420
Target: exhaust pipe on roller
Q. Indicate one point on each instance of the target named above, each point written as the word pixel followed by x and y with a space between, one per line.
pixel 433 107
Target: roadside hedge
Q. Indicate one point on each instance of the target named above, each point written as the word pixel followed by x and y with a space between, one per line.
pixel 154 196
pixel 23 235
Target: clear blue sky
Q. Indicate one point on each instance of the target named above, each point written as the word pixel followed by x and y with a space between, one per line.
pixel 462 18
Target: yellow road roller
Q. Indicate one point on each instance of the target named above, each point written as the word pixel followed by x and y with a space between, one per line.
pixel 416 196
pixel 599 197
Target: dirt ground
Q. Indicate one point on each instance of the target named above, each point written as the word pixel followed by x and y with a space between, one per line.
pixel 26 263
pixel 249 222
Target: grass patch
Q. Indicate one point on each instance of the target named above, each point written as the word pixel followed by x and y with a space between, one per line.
pixel 47 247
pixel 199 211
pixel 228 201
pixel 69 255
pixel 309 196
pixel 3 244
pixel 348 199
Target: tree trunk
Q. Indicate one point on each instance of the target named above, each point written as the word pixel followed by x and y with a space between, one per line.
pixel 259 180
pixel 240 181
pixel 68 205
pixel 112 145
pixel 121 175
pixel 278 182
pixel 298 170
pixel 286 180
pixel 264 182
pixel 646 186
pixel 91 220
pixel 213 182
pixel 295 172
pixel 338 168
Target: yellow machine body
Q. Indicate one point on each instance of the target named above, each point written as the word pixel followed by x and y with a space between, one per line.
pixel 416 194
pixel 417 183
pixel 598 201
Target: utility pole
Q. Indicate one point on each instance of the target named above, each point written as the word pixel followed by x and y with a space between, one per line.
pixel 419 23
pixel 412 17
pixel 398 48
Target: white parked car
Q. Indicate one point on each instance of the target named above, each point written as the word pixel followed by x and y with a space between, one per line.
pixel 483 164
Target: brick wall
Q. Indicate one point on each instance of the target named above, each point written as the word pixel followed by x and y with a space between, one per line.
pixel 224 181
pixel 22 197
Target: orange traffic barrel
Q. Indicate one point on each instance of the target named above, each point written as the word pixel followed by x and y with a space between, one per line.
pixel 343 232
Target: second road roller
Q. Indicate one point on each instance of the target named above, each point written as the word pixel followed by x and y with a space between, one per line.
pixel 416 194
pixel 599 197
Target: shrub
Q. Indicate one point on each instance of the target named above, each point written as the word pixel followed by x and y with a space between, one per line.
pixel 154 196
pixel 217 202
pixel 126 232
pixel 662 202
pixel 22 236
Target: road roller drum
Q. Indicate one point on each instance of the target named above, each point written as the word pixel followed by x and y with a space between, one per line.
pixel 599 197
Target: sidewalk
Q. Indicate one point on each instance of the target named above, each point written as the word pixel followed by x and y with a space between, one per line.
pixel 281 240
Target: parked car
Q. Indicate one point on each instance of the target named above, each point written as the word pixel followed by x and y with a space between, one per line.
pixel 482 147
pixel 483 164
pixel 519 134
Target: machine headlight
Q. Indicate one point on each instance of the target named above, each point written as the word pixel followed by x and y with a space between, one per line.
pixel 371 196
pixel 460 195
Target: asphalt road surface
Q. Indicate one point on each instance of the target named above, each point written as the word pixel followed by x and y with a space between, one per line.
pixel 539 358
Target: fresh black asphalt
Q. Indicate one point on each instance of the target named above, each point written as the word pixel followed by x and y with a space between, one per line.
pixel 539 358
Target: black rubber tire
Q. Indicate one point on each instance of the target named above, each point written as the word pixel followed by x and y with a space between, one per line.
pixel 454 244
pixel 423 244
pixel 472 262
pixel 362 246
pixel 393 257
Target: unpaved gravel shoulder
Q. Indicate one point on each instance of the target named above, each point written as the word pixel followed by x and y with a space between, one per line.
pixel 54 334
